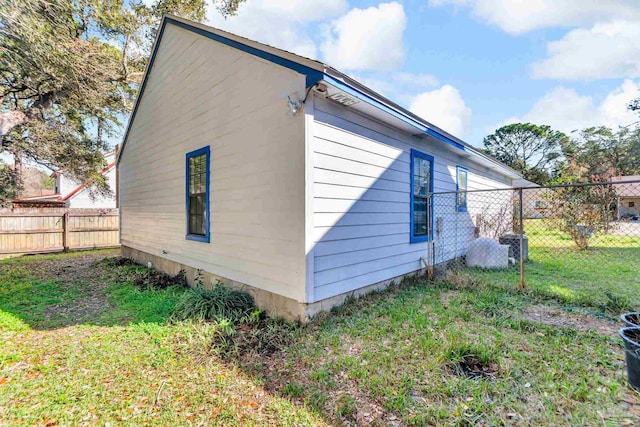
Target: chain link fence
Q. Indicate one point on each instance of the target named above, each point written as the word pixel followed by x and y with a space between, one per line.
pixel 568 236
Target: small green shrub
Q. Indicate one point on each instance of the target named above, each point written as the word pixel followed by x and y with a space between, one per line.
pixel 255 334
pixel 615 304
pixel 219 302
pixel 117 261
pixel 148 279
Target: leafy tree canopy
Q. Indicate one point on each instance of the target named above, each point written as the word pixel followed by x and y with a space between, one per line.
pixel 69 73
pixel 599 153
pixel 635 105
pixel 9 184
pixel 533 150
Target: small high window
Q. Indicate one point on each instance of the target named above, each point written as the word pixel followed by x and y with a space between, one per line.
pixel 198 195
pixel 632 204
pixel 461 188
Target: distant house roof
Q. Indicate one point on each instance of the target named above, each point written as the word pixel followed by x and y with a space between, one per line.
pixel 317 72
pixel 524 183
pixel 630 188
pixel 83 186
pixel 63 197
pixel 52 196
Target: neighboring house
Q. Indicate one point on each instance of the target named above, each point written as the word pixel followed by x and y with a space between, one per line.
pixel 534 203
pixel 628 196
pixel 71 194
pixel 252 165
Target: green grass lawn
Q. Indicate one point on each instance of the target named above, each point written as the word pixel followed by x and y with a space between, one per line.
pixel 605 276
pixel 81 344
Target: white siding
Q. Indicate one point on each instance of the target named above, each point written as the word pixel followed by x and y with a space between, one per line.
pixel 65 185
pixel 361 200
pixel 201 93
pixel 82 199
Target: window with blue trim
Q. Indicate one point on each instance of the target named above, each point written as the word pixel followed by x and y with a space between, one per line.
pixel 421 187
pixel 461 188
pixel 198 195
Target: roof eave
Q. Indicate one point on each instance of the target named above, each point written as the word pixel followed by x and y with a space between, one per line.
pixel 315 71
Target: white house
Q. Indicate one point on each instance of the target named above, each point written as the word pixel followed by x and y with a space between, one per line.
pixel 628 196
pixel 77 195
pixel 72 194
pixel 263 168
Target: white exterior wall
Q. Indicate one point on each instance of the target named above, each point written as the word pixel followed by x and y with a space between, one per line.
pixel 82 198
pixel 625 209
pixel 201 93
pixel 360 170
pixel 65 185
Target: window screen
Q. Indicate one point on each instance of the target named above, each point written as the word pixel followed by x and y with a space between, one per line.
pixel 198 194
pixel 421 181
pixel 461 180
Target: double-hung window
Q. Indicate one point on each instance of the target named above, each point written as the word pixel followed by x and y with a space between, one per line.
pixel 421 187
pixel 461 188
pixel 198 195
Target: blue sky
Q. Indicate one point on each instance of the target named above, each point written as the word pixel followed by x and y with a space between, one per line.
pixel 470 65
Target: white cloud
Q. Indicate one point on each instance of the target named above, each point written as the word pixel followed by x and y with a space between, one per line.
pixel 280 23
pixel 607 50
pixel 398 85
pixel 369 38
pixel 521 16
pixel 565 110
pixel 416 80
pixel 445 108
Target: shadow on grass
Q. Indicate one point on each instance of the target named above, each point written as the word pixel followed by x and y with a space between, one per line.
pixel 389 358
pixel 55 292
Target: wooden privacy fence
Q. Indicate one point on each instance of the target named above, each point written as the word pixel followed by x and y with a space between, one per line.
pixel 40 230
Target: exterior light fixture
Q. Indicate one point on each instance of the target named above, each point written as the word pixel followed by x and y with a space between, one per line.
pixel 294 106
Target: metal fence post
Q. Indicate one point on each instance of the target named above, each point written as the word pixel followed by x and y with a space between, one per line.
pixel 521 251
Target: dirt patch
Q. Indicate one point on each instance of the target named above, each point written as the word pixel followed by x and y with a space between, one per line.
pixel 475 369
pixel 556 316
pixel 79 310
pixel 84 273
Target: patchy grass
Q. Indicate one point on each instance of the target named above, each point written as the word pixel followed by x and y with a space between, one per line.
pixel 458 352
pixel 123 365
pixel 449 355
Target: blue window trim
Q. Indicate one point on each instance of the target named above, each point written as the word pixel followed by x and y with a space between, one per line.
pixel 197 237
pixel 421 155
pixel 466 177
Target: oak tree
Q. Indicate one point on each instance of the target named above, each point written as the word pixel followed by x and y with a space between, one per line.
pixel 70 71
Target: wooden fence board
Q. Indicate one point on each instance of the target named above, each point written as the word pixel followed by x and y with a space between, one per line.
pixel 44 230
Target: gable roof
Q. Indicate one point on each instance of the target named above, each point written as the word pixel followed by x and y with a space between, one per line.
pixel 315 72
pixel 630 186
pixel 61 197
pixel 81 187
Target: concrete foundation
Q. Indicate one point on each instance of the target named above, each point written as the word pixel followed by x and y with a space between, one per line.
pixel 276 305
